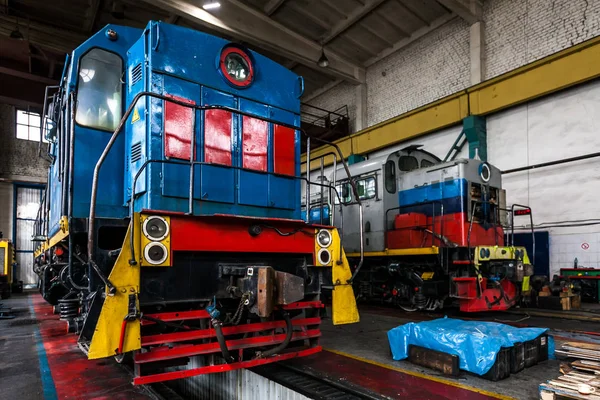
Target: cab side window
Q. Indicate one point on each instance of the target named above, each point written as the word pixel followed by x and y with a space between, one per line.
pixel 407 163
pixel 390 176
pixel 366 188
pixel 99 90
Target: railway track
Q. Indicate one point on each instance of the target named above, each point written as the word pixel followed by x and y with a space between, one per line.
pixel 313 386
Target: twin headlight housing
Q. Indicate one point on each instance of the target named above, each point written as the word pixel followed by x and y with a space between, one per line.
pixel 324 240
pixel 156 229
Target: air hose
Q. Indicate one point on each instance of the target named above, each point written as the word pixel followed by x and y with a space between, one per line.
pixel 221 339
pixel 284 344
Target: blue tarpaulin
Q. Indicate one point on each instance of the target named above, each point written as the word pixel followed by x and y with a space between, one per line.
pixel 476 343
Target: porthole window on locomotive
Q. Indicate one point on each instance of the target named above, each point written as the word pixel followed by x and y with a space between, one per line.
pixel 485 172
pixel 236 67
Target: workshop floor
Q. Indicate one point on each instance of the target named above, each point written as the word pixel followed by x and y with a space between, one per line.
pixel 367 342
pixel 39 360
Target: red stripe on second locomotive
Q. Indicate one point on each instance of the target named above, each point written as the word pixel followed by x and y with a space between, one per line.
pixel 217 137
pixel 210 234
pixel 254 143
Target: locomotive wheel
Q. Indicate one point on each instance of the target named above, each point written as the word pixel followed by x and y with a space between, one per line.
pixel 408 309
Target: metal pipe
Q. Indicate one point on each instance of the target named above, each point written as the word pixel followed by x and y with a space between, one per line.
pixel 308 180
pixel 64 172
pixel 43 119
pixel 70 197
pixel 321 171
pixel 331 201
pixel 192 170
pixel 550 163
pixel 362 244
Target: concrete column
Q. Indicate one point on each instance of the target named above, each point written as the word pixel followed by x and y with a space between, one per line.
pixel 476 44
pixel 361 107
pixel 476 47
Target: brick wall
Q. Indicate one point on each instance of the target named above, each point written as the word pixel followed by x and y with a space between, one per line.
pixel 516 32
pixel 430 68
pixel 19 159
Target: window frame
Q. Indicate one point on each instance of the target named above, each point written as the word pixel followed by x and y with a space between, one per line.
pixel 122 80
pixel 28 125
pixel 339 186
pixel 387 177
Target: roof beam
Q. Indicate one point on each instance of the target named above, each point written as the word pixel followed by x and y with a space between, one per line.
pixel 419 33
pixel 235 19
pixel 353 18
pixel 90 16
pixel 471 12
pixel 272 6
pixel 43 35
pixel 27 75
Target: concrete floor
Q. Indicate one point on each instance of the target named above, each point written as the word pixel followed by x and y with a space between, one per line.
pixel 368 339
pixel 35 340
pixel 40 360
pixel 20 376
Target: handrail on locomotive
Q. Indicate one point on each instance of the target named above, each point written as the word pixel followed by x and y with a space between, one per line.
pixel 40 228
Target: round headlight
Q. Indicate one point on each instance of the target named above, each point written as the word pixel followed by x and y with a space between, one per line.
pixel 155 228
pixel 324 256
pixel 324 238
pixel 236 67
pixel 155 253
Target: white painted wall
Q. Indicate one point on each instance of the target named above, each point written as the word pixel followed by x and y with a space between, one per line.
pixel 560 126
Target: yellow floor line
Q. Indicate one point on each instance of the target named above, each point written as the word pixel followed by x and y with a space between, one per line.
pixel 424 376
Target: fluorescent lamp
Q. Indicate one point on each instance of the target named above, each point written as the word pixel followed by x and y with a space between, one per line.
pixel 211 5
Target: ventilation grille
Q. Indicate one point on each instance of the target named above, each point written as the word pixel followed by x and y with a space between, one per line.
pixel 136 74
pixel 136 152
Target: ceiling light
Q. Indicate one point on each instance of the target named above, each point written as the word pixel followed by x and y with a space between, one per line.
pixel 211 5
pixel 323 60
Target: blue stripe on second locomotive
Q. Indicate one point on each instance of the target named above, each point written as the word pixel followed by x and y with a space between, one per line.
pixel 428 198
pixel 451 206
pixel 434 192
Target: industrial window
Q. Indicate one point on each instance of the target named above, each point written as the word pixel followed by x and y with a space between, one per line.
pixel 407 163
pixel 99 90
pixel 366 188
pixel 344 190
pixel 426 163
pixel 390 176
pixel 28 125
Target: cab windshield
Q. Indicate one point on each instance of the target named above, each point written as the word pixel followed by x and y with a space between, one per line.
pixel 99 90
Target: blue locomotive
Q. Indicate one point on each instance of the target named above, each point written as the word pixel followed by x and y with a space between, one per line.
pixel 171 227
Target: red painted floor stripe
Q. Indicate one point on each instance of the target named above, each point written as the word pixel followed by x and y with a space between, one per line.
pixel 76 377
pixel 383 381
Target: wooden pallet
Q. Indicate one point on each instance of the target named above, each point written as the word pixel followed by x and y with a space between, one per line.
pixel 566 386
